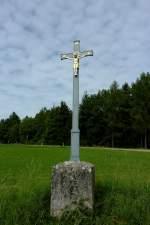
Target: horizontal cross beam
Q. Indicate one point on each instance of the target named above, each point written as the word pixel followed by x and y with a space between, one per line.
pixel 76 52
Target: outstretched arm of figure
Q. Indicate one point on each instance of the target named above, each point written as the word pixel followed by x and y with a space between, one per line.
pixel 86 53
pixel 66 56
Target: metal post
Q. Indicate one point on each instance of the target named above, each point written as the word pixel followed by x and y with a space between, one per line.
pixel 75 133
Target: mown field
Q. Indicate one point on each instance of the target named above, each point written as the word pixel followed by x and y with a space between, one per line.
pixel 122 186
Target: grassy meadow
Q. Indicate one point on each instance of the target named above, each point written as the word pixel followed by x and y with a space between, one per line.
pixel 122 186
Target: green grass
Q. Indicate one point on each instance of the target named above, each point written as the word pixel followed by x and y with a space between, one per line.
pixel 122 186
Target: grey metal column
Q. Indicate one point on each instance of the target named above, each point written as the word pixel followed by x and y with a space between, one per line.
pixel 75 133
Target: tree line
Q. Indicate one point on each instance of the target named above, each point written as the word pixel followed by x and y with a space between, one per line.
pixel 116 117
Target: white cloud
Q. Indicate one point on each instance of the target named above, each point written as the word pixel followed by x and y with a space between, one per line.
pixel 35 32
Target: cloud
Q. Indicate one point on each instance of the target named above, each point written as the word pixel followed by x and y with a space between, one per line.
pixel 34 33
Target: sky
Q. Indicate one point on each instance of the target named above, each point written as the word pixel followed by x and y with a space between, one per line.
pixel 34 33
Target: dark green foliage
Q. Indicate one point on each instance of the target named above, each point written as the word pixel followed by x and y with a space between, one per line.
pixel 112 112
pixel 27 130
pixel 58 125
pixel 141 106
pixel 40 125
pixel 9 129
pixel 47 127
pixel 117 117
pixel 92 122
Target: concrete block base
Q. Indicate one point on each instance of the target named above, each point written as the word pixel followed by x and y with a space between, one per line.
pixel 71 183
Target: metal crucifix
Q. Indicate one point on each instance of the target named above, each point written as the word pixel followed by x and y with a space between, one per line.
pixel 75 132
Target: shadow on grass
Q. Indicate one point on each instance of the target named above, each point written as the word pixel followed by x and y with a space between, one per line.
pixel 115 204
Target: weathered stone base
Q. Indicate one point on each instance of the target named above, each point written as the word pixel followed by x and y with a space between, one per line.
pixel 72 182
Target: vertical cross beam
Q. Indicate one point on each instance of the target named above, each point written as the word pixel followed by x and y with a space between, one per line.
pixel 75 132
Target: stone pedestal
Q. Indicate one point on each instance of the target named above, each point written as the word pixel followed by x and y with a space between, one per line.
pixel 71 183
